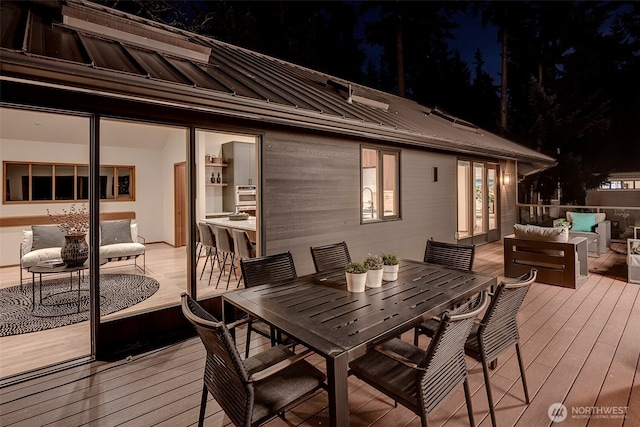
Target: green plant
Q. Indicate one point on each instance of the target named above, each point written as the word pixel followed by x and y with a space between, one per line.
pixel 372 262
pixel 355 268
pixel 389 258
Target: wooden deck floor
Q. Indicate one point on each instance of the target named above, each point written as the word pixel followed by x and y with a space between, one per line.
pixel 580 348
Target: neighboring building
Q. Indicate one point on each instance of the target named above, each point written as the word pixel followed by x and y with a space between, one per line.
pixel 621 192
pixel 333 160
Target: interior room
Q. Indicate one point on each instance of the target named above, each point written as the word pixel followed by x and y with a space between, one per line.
pixel 149 161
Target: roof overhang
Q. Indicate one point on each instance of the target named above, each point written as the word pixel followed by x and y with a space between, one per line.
pixel 268 90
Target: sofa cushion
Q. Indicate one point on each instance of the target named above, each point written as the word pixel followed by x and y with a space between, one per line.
pixel 583 221
pixel 112 232
pixel 545 234
pixel 121 250
pixel 46 236
pixel 600 216
pixel 33 257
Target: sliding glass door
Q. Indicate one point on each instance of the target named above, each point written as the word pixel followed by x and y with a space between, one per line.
pixel 477 202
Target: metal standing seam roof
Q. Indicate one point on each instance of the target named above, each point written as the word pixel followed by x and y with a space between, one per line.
pixel 79 45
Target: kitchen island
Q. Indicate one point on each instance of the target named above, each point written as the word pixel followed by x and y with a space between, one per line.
pixel 248 225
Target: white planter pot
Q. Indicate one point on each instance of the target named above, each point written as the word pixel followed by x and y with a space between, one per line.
pixel 390 272
pixel 374 278
pixel 356 282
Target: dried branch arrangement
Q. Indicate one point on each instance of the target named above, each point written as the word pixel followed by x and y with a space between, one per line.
pixel 73 221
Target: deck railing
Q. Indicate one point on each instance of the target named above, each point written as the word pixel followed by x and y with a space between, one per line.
pixel 623 218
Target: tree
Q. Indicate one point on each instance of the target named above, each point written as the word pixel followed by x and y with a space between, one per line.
pixel 416 61
pixel 318 35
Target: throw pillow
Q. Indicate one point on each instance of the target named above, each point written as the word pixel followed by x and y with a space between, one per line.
pixel 115 232
pixel 47 236
pixel 583 221
pixel 546 234
pixel 600 216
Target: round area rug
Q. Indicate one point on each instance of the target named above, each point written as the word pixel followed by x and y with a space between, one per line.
pixel 63 305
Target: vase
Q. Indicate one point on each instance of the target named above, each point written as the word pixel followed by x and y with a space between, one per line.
pixel 390 273
pixel 75 250
pixel 356 282
pixel 374 278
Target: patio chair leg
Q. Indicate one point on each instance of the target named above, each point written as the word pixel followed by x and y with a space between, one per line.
pixel 485 371
pixel 203 405
pixel 467 396
pixel 246 351
pixel 522 375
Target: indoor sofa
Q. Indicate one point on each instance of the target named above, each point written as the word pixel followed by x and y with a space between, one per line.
pixel 119 241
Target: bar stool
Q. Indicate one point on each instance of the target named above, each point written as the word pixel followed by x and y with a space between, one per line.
pixel 208 242
pixel 244 248
pixel 199 246
pixel 224 243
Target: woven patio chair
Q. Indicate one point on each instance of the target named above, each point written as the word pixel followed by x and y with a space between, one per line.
pixel 447 255
pixel 498 330
pixel 331 256
pixel 419 379
pixel 261 271
pixel 450 255
pixel 254 390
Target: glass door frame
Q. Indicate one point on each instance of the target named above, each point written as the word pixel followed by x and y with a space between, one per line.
pixel 477 201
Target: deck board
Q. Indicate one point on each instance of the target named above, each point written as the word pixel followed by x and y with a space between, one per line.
pixel 579 347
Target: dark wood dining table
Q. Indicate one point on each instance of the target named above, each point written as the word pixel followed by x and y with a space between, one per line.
pixel 318 312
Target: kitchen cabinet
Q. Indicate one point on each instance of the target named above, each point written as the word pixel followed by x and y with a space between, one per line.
pixel 240 170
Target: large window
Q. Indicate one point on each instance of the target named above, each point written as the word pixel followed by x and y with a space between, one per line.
pixel 36 182
pixel 380 178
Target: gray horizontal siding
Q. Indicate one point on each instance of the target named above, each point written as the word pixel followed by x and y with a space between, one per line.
pixel 311 196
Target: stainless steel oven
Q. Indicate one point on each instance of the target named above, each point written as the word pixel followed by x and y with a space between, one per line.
pixel 245 198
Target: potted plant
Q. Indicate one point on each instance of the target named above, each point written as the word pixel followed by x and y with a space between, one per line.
pixel 390 267
pixel 373 264
pixel 356 275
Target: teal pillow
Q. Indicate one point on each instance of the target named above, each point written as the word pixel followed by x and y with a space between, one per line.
pixel 583 221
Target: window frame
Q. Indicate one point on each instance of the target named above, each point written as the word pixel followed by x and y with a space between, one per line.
pixel 381 152
pixel 53 191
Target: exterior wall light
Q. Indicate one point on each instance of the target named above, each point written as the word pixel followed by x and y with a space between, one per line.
pixel 506 178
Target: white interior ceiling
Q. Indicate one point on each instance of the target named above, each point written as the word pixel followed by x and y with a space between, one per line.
pixel 39 126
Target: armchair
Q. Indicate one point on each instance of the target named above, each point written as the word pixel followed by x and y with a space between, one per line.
pixel 420 379
pixel 633 260
pixel 594 227
pixel 253 390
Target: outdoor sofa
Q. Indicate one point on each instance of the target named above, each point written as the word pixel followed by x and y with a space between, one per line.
pixel 560 259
